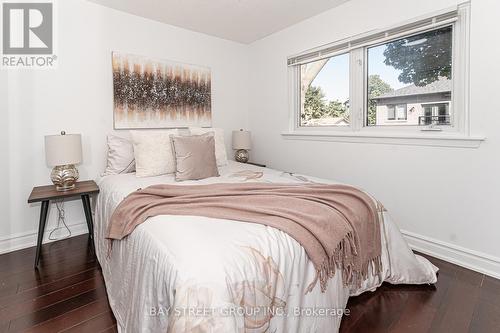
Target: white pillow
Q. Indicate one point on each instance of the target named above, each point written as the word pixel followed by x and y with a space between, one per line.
pixel 120 156
pixel 220 146
pixel 153 152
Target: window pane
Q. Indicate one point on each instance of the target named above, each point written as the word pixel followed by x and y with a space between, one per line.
pixel 391 112
pixel 324 92
pixel 411 72
pixel 401 111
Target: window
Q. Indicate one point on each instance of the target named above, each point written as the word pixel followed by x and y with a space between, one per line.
pixel 324 91
pixel 394 112
pixel 401 111
pixel 391 112
pixel 412 69
pixel 435 114
pixel 406 78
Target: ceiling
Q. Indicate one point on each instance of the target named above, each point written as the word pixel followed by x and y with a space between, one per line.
pixel 243 21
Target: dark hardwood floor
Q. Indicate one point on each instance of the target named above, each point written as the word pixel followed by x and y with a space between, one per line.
pixel 461 301
pixel 67 294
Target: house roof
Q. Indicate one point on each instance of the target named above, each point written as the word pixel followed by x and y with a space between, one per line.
pixel 440 86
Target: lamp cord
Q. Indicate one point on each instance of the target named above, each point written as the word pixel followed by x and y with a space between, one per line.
pixel 61 221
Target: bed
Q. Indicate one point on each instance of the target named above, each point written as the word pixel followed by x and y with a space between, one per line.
pixel 195 274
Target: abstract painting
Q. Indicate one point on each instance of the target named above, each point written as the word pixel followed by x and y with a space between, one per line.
pixel 160 94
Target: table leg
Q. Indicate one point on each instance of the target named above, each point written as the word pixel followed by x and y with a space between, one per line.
pixel 88 217
pixel 41 229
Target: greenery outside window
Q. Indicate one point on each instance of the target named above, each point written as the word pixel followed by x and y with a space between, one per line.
pixel 324 90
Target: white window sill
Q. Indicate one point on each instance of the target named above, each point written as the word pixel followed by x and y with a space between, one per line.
pixel 396 121
pixel 424 139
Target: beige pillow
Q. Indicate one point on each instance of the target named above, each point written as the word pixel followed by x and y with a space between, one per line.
pixel 220 146
pixel 120 156
pixel 194 157
pixel 153 152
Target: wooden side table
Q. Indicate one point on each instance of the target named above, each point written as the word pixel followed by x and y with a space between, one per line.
pixel 44 194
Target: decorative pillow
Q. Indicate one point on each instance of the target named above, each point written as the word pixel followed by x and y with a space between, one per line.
pixel 153 152
pixel 194 157
pixel 120 156
pixel 220 146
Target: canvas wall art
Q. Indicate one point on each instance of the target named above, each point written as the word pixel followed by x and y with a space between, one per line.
pixel 159 94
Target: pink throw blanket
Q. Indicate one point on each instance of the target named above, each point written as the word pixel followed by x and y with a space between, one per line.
pixel 338 225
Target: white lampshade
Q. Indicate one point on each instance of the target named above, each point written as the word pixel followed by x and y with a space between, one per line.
pixel 63 149
pixel 242 139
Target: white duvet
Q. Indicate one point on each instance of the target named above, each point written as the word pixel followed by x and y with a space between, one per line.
pixel 196 274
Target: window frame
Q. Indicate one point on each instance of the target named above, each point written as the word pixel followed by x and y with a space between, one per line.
pixel 358 85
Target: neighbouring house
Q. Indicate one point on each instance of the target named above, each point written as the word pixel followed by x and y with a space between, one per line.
pixel 413 105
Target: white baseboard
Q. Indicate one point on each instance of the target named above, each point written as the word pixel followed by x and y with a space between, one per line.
pixel 474 260
pixel 28 239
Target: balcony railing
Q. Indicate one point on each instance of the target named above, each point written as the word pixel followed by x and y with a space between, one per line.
pixel 434 120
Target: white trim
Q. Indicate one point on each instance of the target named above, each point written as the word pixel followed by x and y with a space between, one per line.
pixel 470 259
pixel 461 87
pixel 441 140
pixel 357 89
pixel 24 240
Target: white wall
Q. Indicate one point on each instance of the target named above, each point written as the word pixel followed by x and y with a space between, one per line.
pixel 445 199
pixel 77 97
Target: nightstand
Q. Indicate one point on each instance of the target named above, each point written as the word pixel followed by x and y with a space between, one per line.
pixel 44 194
pixel 257 164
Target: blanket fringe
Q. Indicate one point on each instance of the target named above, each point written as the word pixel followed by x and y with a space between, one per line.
pixel 343 259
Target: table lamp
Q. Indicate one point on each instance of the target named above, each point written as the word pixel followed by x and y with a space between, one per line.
pixel 241 143
pixel 62 152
